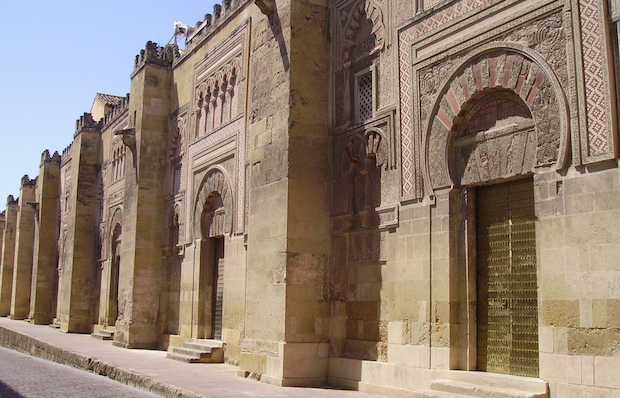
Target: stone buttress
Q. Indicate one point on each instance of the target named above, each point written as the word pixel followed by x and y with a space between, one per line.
pixel 24 243
pixel 45 258
pixel 77 282
pixel 140 253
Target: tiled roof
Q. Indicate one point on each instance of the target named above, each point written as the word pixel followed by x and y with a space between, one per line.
pixel 109 99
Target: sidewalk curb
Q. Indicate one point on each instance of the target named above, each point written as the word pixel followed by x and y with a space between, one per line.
pixel 23 343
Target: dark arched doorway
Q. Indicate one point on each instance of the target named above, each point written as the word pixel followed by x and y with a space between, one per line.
pixel 211 292
pixel 115 260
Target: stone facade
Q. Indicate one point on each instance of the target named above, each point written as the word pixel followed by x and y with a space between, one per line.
pixel 382 195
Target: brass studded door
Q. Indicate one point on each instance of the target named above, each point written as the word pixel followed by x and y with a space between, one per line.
pixel 506 279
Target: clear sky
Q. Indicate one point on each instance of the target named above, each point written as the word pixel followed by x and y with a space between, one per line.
pixel 57 55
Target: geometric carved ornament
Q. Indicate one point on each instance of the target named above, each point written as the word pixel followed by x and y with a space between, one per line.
pixel 600 140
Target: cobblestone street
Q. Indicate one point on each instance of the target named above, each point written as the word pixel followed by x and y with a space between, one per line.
pixel 22 375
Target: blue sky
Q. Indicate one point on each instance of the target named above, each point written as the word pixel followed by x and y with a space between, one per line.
pixel 56 56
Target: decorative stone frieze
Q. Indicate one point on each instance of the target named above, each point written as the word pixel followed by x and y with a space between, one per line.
pixel 593 63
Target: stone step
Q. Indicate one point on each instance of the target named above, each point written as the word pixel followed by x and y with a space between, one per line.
pixel 103 335
pixel 198 351
pixel 55 325
pixel 183 358
pixel 192 352
pixel 437 394
pixel 530 384
pixel 203 345
pixel 482 391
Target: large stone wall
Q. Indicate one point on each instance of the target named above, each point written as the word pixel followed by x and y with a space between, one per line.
pixel 301 184
pixel 578 280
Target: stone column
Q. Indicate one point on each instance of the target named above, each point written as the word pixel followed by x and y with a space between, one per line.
pixel 24 245
pixel 45 263
pixel 8 255
pixel 143 206
pixel 78 290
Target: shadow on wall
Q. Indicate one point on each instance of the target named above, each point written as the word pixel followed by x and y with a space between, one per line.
pixel 276 29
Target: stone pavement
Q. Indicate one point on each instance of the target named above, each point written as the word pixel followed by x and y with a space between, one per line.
pixel 148 370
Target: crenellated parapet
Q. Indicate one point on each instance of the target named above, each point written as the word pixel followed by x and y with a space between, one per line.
pixel 156 55
pixel 27 181
pixel 211 22
pixel 117 111
pixel 10 200
pixel 167 55
pixel 56 158
pixel 86 123
pixel 66 153
pixel 46 158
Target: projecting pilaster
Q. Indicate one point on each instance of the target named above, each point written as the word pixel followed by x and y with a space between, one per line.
pixel 24 245
pixel 45 262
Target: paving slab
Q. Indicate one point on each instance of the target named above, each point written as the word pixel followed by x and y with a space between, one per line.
pixel 148 370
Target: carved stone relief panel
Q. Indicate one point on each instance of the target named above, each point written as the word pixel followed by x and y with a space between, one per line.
pixel 497 139
pixel 218 96
pixel 223 147
pixel 528 57
pixel 386 83
pixel 176 167
pixel 404 10
pixel 536 28
pixel 362 42
pixel 217 111
pixel 502 113
pixel 366 177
